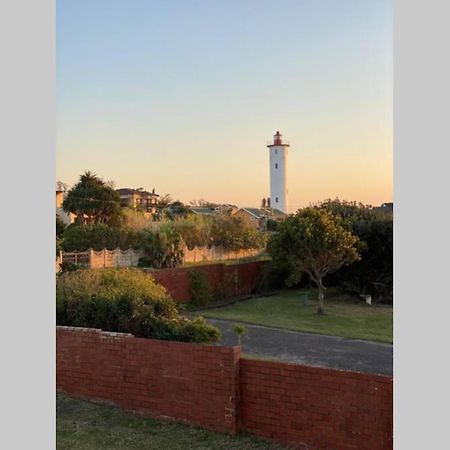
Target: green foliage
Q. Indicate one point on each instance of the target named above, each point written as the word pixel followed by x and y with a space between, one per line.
pixel 234 233
pixel 135 220
pixel 240 331
pixel 128 301
pixel 373 274
pixel 58 245
pixel 195 230
pixel 163 246
pixel 200 291
pixel 68 266
pixel 313 242
pixel 60 226
pixel 177 210
pixel 272 225
pixel 98 237
pixel 93 201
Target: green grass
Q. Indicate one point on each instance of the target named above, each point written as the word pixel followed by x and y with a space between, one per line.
pixel 83 425
pixel 345 316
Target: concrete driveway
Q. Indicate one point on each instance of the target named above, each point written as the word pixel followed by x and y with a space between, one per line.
pixel 310 349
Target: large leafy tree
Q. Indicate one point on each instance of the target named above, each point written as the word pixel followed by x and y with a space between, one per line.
pixel 313 242
pixel 93 201
pixel 373 274
pixel 234 233
pixel 195 230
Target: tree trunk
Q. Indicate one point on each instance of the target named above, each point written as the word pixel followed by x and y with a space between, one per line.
pixel 320 309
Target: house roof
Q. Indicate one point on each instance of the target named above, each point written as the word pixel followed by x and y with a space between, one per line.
pixel 206 211
pixel 260 213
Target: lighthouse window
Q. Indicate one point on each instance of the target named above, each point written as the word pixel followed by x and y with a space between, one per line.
pixel 276 151
pixel 276 199
pixel 276 166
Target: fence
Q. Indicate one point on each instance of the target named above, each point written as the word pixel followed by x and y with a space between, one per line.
pixel 303 407
pixel 217 253
pixel 125 258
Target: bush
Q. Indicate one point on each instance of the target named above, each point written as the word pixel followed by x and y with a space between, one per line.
pixel 127 301
pixel 200 291
pixel 233 233
pixel 60 226
pixel 145 261
pixel 164 246
pixel 83 237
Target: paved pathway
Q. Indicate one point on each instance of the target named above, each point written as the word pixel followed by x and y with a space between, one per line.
pixel 311 349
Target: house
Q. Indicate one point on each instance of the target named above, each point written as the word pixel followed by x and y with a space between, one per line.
pixel 138 199
pixel 203 211
pixel 258 217
pixel 67 218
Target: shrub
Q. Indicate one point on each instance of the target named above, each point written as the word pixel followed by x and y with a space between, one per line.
pixel 60 226
pixel 145 261
pixel 163 246
pixel 233 233
pixel 125 300
pixel 99 236
pixel 200 291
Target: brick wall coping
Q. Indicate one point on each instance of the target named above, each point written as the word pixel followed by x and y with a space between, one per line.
pixel 282 367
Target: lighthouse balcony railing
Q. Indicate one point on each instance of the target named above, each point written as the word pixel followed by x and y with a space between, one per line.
pixel 281 143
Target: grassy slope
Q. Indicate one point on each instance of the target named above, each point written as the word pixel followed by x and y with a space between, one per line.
pixel 344 317
pixel 88 426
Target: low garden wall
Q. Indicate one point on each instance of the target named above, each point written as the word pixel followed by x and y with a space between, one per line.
pixel 304 407
pixel 188 382
pixel 228 280
pixel 315 408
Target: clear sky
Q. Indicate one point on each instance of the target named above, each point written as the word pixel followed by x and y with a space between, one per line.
pixel 182 96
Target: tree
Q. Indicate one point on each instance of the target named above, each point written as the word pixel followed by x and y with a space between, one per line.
pixel 373 274
pixel 60 226
pixel 165 200
pixel 234 233
pixel 313 242
pixel 195 230
pixel 202 203
pixel 177 209
pixel 93 201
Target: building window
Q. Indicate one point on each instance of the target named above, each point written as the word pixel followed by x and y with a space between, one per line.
pixel 276 199
pixel 276 166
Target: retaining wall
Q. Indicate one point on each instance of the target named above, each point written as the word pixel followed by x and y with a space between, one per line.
pixel 228 280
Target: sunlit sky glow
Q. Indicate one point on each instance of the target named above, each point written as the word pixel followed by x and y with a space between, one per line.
pixel 183 95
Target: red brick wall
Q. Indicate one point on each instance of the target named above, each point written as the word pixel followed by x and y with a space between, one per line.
pixel 312 408
pixel 236 279
pixel 304 407
pixel 188 382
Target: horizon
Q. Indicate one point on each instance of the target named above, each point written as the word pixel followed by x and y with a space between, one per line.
pixel 183 98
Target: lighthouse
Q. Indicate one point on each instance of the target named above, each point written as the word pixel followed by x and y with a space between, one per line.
pixel 278 173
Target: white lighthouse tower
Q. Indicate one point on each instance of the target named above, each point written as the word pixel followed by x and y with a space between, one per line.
pixel 278 173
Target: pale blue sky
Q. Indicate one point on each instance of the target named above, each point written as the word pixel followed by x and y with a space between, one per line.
pixel 183 95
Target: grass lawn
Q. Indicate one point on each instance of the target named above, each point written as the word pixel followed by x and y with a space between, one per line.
pixel 89 426
pixel 345 316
